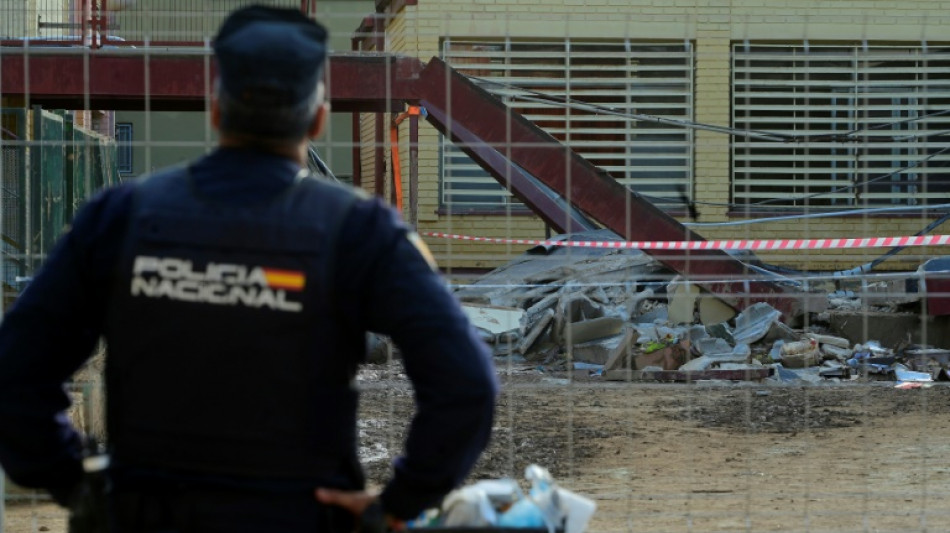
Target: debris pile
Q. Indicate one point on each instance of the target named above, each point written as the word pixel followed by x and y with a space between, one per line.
pixel 620 315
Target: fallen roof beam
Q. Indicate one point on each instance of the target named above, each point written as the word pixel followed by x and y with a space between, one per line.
pixel 464 106
pixel 555 212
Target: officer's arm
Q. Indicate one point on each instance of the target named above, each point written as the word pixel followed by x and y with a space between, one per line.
pixel 44 338
pixel 449 366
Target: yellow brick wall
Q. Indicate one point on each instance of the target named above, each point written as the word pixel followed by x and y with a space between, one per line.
pixel 712 26
pixel 367 152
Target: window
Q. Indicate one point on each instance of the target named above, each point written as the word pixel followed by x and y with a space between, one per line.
pixel 123 142
pixel 604 82
pixel 856 125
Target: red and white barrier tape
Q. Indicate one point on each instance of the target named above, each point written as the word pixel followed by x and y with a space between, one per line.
pixel 770 244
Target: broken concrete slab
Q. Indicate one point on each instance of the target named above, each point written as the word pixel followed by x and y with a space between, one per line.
pixel 633 304
pixel 535 311
pixel 599 295
pixel 494 319
pixel 536 330
pixel 621 357
pixel 593 329
pixel 712 346
pixel 840 342
pixel 891 329
pixel 555 274
pixel 712 310
pixel 722 331
pixel 531 276
pixel 578 306
pixel 601 351
pixel 652 311
pixel 682 302
pixel 697 332
pixel 573 307
pixel 779 330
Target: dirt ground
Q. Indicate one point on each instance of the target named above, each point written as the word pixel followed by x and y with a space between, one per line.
pixel 697 457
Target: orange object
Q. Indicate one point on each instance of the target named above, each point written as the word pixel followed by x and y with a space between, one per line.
pixel 394 142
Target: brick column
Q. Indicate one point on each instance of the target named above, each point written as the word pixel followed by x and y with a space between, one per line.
pixel 712 105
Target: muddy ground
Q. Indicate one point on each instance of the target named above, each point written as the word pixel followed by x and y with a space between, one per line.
pixel 697 457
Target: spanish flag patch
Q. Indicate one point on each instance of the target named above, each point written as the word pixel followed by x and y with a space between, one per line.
pixel 290 280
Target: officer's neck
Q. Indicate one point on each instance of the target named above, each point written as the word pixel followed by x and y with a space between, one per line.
pixel 296 152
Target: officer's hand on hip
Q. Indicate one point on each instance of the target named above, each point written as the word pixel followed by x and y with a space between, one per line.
pixel 359 502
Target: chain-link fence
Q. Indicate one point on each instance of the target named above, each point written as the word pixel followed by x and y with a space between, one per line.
pixel 704 239
pixel 50 166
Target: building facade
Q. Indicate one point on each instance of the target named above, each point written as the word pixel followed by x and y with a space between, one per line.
pixel 749 109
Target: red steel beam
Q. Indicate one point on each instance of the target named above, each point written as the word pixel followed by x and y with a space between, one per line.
pixel 466 106
pixel 553 211
pixel 73 78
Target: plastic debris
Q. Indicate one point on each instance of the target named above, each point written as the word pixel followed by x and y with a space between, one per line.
pixel 754 323
pixel 902 373
pixel 502 503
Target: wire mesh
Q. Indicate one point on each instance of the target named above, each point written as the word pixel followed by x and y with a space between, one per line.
pixel 784 133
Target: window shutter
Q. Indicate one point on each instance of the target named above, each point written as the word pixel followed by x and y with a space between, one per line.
pixel 865 125
pixel 620 77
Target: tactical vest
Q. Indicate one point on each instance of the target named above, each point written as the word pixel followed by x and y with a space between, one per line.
pixel 217 359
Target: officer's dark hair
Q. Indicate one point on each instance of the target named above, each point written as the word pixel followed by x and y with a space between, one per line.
pixel 270 65
pixel 267 125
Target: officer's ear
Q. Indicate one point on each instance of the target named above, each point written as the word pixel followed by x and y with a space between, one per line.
pixel 319 121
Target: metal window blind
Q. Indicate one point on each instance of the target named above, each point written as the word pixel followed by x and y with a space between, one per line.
pixel 867 125
pixel 619 75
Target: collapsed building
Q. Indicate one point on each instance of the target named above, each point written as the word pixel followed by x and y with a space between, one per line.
pixel 621 315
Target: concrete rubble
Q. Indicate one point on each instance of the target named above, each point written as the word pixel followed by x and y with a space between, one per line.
pixel 621 315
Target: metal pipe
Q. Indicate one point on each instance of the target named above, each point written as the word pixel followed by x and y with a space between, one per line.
pixel 414 170
pixel 379 156
pixel 101 23
pixel 379 41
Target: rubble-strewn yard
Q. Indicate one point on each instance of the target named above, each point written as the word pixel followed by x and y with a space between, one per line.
pixel 716 457
pixel 771 427
pixel 697 457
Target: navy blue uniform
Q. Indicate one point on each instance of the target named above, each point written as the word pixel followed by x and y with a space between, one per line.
pixel 279 409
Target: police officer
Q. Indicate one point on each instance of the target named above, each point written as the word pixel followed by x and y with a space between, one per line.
pixel 234 294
